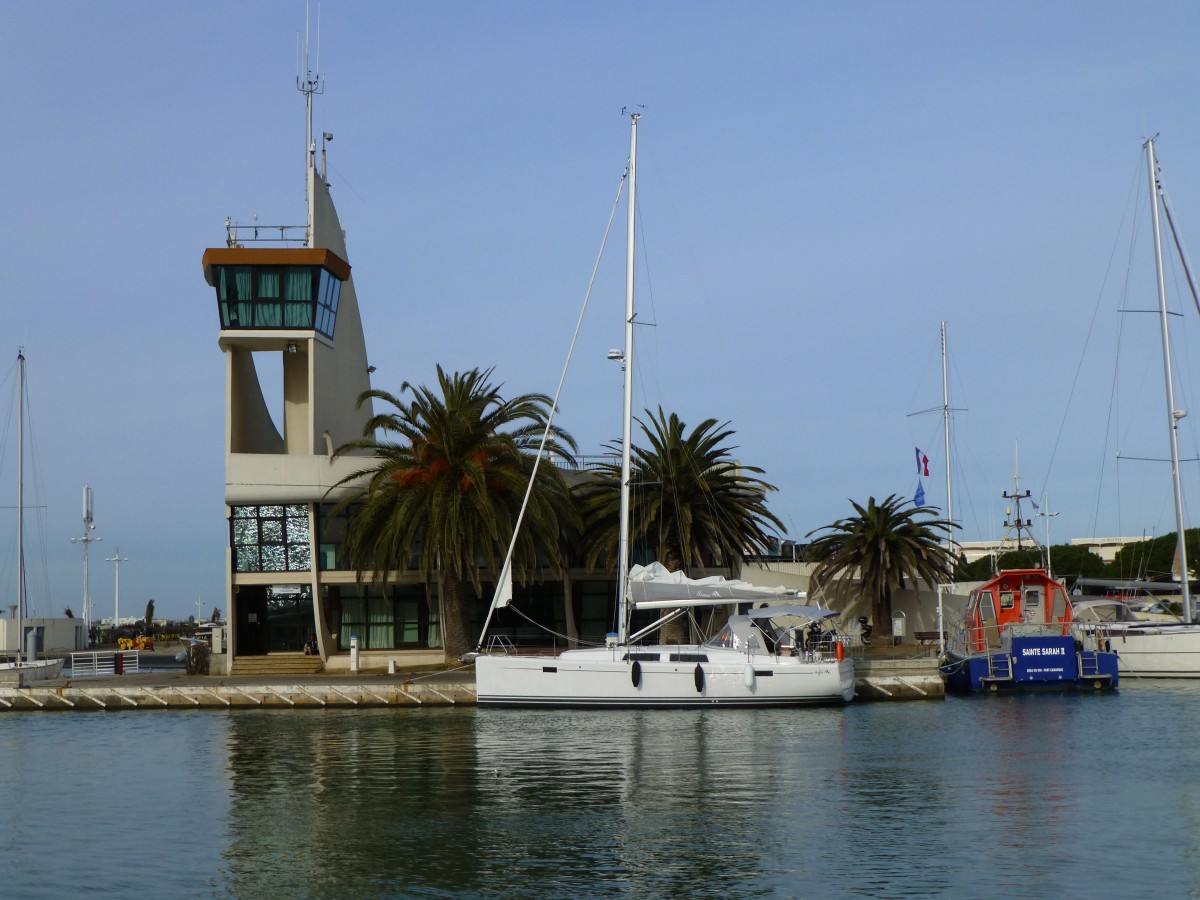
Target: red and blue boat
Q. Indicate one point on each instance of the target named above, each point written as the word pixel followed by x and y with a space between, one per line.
pixel 1018 634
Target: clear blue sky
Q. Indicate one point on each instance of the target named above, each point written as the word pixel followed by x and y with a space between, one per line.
pixel 821 185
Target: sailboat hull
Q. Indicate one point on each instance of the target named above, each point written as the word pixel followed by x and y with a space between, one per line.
pixel 25 673
pixel 608 679
pixel 1156 651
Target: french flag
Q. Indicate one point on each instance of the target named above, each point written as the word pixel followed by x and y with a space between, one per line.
pixel 922 463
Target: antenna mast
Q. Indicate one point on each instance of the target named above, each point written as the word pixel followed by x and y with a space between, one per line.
pixel 309 83
pixel 1021 526
pixel 86 539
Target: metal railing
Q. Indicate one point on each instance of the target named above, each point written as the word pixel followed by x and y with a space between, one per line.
pixel 237 235
pixel 104 662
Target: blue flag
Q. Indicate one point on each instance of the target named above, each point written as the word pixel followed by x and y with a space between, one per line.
pixel 919 499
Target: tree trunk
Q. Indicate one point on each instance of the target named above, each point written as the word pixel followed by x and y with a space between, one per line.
pixel 456 596
pixel 675 631
pixel 881 612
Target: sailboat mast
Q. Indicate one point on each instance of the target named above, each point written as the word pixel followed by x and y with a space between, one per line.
pixel 627 405
pixel 20 501
pixel 1173 415
pixel 946 435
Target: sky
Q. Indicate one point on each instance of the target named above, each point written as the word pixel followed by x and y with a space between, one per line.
pixel 820 186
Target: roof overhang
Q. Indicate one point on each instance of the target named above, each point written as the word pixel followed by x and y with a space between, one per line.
pixel 275 256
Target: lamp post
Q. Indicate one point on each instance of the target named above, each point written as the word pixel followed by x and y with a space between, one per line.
pixel 116 560
pixel 1047 515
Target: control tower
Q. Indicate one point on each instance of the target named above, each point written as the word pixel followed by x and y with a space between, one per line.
pixel 285 300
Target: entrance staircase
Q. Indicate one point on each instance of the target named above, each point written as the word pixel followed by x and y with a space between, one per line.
pixel 277 664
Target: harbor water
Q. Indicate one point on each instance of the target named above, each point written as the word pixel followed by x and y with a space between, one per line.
pixel 1032 796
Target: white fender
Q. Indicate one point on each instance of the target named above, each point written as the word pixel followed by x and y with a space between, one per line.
pixel 749 677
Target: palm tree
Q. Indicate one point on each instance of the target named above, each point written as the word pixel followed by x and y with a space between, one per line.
pixel 693 504
pixel 444 487
pixel 886 545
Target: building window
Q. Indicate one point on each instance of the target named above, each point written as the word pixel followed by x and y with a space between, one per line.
pixel 271 538
pixel 398 617
pixel 331 535
pixel 328 297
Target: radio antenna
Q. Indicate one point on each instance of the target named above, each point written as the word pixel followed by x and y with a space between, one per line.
pixel 309 83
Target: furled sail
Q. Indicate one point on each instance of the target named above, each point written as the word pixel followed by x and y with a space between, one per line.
pixel 655 587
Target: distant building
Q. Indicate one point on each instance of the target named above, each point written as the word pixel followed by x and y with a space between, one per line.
pixel 1106 548
pixel 55 635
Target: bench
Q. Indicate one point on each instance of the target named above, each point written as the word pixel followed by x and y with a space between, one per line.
pixel 926 637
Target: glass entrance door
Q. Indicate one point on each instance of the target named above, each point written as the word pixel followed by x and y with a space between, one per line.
pixel 289 617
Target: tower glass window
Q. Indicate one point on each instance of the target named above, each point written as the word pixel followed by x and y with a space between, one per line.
pixel 271 538
pixel 282 288
pixel 288 297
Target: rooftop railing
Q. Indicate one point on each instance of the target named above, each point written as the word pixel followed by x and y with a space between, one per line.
pixel 237 235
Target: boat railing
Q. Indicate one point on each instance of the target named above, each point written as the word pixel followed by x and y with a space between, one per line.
pixel 104 662
pixel 824 649
pixel 1092 635
pixel 587 463
pixel 501 643
pixel 967 641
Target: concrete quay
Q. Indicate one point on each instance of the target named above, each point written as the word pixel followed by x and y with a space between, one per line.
pixel 898 679
pixel 891 673
pixel 178 690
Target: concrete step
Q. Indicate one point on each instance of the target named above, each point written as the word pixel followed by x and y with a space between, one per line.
pixel 277 664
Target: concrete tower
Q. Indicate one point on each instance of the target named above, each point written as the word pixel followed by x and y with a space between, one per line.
pixel 286 298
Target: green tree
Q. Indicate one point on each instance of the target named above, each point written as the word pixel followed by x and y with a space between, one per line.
pixel 692 503
pixel 1154 559
pixel 884 545
pixel 1070 562
pixel 443 488
pixel 149 618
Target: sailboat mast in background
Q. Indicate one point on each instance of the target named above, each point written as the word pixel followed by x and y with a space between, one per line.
pixel 1173 414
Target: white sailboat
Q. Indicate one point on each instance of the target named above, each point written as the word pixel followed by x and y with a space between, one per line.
pixel 26 668
pixel 774 655
pixel 1146 648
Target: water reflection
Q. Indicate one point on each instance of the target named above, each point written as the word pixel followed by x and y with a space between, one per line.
pixel 352 801
pixel 981 796
pixel 675 804
pixel 1031 796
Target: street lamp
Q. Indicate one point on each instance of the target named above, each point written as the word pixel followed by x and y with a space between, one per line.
pixel 116 560
pixel 1047 515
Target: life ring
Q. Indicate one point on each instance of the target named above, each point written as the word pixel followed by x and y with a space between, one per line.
pixel 841 651
pixel 698 677
pixel 635 672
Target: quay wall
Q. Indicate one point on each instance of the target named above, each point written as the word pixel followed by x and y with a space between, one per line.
pixel 876 680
